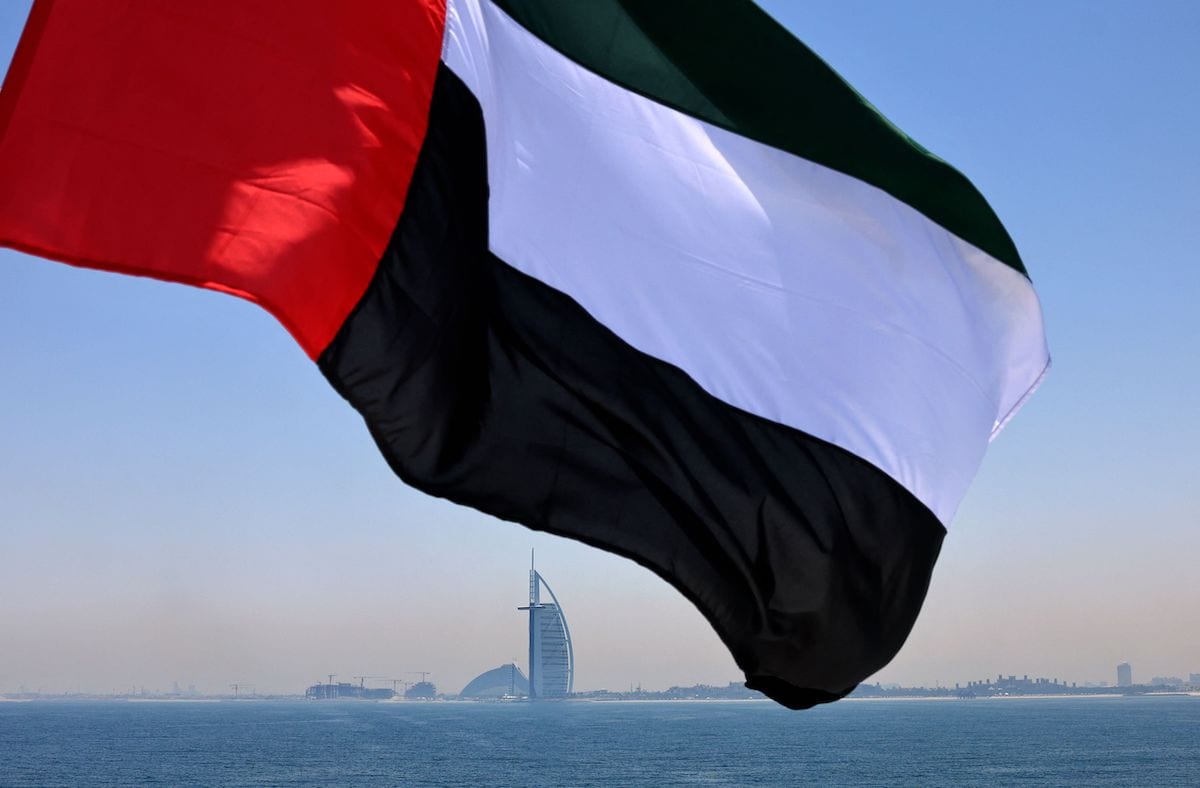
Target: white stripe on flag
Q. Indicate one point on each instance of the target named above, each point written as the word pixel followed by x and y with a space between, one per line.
pixel 780 286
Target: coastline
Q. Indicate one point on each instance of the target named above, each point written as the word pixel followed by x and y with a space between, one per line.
pixel 1048 696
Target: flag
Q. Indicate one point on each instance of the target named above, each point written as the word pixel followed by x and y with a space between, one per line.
pixel 643 273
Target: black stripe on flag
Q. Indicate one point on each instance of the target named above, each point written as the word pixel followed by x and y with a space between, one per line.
pixel 485 386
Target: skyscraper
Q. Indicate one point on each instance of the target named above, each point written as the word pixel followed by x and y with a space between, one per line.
pixel 551 656
pixel 1124 675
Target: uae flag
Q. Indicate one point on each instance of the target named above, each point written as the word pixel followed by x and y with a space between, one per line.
pixel 643 273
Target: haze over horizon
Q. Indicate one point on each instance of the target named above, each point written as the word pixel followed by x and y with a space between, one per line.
pixel 183 498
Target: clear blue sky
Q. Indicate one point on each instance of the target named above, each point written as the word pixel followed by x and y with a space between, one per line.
pixel 183 497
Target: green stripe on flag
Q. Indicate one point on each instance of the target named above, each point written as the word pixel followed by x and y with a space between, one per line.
pixel 730 64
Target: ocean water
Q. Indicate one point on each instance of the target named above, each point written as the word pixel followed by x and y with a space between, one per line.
pixel 1151 741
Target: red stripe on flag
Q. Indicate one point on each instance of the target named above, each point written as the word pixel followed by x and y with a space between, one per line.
pixel 259 147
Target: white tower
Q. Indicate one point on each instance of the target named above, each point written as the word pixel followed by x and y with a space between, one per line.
pixel 551 655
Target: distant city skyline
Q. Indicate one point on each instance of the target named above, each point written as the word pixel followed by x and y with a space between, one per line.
pixel 511 677
pixel 184 499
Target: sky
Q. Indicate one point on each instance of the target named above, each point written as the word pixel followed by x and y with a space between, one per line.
pixel 183 498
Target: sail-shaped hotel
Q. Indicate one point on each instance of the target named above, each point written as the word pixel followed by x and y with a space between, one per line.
pixel 551 656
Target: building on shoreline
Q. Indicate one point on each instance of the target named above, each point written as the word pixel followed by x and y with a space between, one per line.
pixel 551 653
pixel 343 690
pixel 506 681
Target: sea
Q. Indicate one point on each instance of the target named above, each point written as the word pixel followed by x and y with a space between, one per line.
pixel 1142 741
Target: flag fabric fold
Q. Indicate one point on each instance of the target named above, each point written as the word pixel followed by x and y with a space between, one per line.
pixel 648 275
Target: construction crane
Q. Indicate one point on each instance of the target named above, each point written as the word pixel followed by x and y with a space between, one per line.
pixel 236 687
pixel 396 683
pixel 421 673
pixel 362 679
